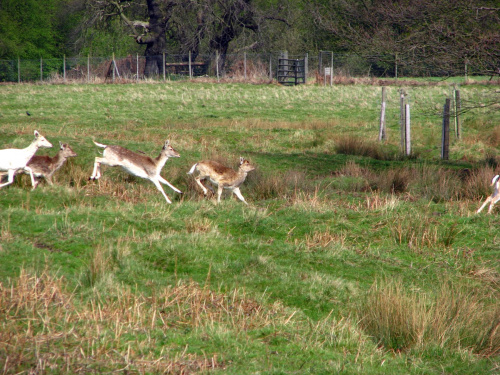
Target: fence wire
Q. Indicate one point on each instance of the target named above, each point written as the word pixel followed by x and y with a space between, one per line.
pixel 241 67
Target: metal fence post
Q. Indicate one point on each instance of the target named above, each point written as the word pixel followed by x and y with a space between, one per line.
pixel 270 67
pixel 41 69
pixel 458 108
pixel 88 67
pixel 245 65
pixel 217 64
pixel 18 69
pixel 190 68
pixel 164 66
pixel 64 68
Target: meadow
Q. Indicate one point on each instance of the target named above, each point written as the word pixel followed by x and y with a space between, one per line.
pixel 350 257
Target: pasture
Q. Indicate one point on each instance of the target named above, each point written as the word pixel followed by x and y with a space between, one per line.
pixel 349 258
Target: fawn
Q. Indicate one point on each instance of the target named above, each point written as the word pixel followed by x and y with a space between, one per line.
pixel 222 176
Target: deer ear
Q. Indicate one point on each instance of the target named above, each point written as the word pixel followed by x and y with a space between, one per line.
pixel 241 159
pixel 61 145
pixel 36 134
pixel 167 142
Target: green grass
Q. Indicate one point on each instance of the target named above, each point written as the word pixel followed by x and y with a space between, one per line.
pixel 350 258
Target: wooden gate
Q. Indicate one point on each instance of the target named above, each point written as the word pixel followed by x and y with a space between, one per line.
pixel 291 72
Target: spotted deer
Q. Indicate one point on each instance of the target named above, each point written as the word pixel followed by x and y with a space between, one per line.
pixel 493 198
pixel 222 176
pixel 137 164
pixel 14 159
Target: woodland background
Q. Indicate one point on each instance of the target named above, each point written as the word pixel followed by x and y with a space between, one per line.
pixel 433 37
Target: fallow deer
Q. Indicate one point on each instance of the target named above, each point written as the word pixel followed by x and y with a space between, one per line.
pixel 493 198
pixel 14 159
pixel 222 176
pixel 136 164
pixel 44 166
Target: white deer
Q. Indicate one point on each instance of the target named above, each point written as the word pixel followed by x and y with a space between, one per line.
pixel 493 198
pixel 136 164
pixel 222 176
pixel 13 159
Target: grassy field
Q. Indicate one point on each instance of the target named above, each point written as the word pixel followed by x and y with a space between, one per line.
pixel 350 258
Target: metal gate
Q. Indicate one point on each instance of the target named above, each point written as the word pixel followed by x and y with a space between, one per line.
pixel 291 72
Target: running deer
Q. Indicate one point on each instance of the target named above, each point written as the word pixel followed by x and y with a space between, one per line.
pixel 136 164
pixel 44 166
pixel 493 198
pixel 222 176
pixel 13 159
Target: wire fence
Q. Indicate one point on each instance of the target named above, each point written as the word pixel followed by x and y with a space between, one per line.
pixel 320 68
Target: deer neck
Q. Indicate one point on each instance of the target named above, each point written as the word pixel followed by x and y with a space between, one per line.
pixel 241 176
pixel 32 148
pixel 57 160
pixel 160 160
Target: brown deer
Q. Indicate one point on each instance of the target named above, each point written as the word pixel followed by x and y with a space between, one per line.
pixel 222 176
pixel 14 159
pixel 136 164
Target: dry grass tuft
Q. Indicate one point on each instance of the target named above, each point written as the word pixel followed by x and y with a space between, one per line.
pixel 350 145
pixel 400 320
pixel 44 328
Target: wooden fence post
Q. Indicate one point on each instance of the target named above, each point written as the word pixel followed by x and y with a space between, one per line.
pixel 407 130
pixel 445 144
pixel 64 68
pixel 458 108
pixel 18 69
pixel 41 69
pixel 402 118
pixel 88 67
pixel 381 134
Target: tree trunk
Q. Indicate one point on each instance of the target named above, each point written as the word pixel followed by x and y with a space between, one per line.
pixel 155 38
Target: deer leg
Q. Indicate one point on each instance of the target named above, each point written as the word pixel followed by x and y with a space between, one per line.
pixel 237 192
pixel 10 178
pixel 30 171
pixel 158 186
pixel 219 193
pixel 205 191
pixel 492 203
pixel 48 178
pixel 484 205
pixel 96 174
pixel 165 182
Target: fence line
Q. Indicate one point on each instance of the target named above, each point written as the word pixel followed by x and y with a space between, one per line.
pixel 243 67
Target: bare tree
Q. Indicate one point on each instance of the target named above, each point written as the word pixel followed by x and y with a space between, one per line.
pixel 431 37
pixel 151 33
